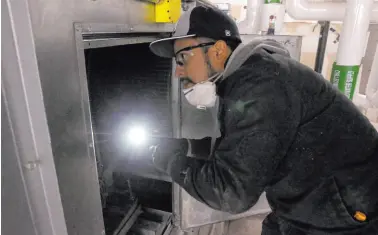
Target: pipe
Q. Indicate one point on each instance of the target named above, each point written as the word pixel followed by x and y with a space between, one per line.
pixel 354 33
pixel 325 11
pixel 352 45
pixel 322 45
pixel 251 24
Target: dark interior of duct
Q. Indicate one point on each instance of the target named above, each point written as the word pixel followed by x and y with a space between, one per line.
pixel 130 87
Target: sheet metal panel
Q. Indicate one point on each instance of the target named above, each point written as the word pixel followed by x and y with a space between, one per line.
pixel 30 193
pixel 58 46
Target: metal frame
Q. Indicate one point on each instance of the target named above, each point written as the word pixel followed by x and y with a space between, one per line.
pixel 176 205
pixel 109 28
pixel 84 91
pixel 176 103
pixel 56 47
pixel 117 41
pixel 115 34
pixel 129 219
pixel 28 144
pixel 85 105
pixel 82 30
pixel 98 30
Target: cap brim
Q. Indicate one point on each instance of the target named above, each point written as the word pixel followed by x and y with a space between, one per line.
pixel 164 47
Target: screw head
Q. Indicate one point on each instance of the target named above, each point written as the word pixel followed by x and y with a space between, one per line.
pixel 31 165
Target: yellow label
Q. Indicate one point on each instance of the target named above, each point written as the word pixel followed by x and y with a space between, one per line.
pixel 167 11
pixel 149 13
pixel 164 11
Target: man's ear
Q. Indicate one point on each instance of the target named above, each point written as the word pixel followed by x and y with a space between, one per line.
pixel 221 50
pixel 218 55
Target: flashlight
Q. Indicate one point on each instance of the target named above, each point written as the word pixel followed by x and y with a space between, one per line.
pixel 136 136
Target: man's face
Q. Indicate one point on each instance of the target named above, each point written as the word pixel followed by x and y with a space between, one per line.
pixel 193 64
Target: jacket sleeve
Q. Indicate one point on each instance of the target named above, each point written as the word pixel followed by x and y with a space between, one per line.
pixel 260 123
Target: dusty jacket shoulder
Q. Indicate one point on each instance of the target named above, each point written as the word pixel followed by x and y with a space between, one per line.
pixel 326 144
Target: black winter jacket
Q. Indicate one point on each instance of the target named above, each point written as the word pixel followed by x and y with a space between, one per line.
pixel 287 131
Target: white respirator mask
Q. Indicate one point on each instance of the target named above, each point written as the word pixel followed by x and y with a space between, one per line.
pixel 203 95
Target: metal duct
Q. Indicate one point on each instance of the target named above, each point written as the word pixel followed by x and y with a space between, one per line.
pixel 128 86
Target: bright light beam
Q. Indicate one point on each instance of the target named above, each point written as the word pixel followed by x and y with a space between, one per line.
pixel 136 136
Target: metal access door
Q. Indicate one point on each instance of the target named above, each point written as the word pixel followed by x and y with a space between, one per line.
pixel 198 124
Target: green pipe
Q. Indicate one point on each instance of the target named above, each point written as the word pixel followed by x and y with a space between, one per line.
pixel 273 1
pixel 344 77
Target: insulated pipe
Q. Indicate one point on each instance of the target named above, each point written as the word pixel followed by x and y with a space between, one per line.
pixel 354 33
pixel 352 44
pixel 326 11
pixel 251 24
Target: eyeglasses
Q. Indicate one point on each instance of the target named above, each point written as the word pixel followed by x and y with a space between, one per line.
pixel 182 55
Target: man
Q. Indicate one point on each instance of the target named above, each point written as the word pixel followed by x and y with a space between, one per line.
pixel 285 130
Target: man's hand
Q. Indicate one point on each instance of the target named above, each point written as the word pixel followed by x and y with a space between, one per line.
pixel 166 152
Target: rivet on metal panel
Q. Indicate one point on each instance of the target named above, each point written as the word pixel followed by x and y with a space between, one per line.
pixel 131 29
pixel 31 165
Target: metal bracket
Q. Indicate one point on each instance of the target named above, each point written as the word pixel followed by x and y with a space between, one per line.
pixel 167 11
pixel 163 11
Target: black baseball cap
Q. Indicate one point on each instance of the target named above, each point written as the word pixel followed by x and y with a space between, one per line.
pixel 200 21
